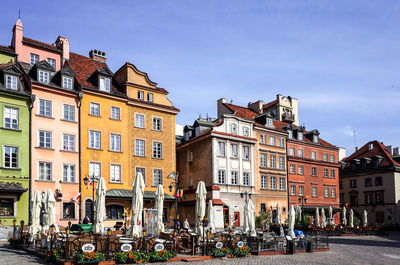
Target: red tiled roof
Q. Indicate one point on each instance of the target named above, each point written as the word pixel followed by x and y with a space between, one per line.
pixel 270 104
pixel 217 202
pixel 41 44
pixel 7 49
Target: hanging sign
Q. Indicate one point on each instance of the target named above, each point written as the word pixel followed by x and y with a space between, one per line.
pixel 126 247
pixel 159 247
pixel 88 248
pixel 219 245
pixel 240 244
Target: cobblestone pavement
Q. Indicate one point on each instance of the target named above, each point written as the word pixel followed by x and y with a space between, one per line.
pixel 344 250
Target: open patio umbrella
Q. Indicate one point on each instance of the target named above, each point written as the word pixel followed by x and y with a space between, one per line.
pixel 365 218
pixel 137 206
pixel 317 217
pixel 250 217
pixel 351 221
pixel 159 204
pixel 200 209
pixel 210 215
pixel 323 218
pixel 100 205
pixel 49 216
pixel 344 220
pixel 331 221
pixel 292 217
pixel 278 213
pixel 36 206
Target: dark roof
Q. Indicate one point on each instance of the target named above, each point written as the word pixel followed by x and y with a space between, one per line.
pixel 127 194
pixel 14 187
pixel 41 44
pixel 270 104
pixel 7 49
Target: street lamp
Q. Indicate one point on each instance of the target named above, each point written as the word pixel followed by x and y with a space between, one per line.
pixel 175 181
pixel 302 200
pixel 86 180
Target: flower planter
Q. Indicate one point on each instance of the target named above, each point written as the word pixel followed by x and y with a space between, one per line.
pixel 92 261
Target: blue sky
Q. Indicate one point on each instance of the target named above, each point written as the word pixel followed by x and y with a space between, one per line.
pixel 340 59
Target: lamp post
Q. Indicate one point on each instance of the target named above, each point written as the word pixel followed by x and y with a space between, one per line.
pixel 175 183
pixel 108 243
pixel 67 231
pixel 302 200
pixel 52 228
pixel 15 227
pixel 86 180
pixel 205 219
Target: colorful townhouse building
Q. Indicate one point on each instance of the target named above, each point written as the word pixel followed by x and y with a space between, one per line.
pixel 7 54
pixel 15 105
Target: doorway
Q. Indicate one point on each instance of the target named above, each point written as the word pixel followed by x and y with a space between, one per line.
pixel 236 218
pixel 226 216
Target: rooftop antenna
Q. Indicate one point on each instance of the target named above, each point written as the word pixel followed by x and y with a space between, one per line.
pixel 199 115
pixel 231 101
pixel 19 13
pixel 206 116
pixel 355 144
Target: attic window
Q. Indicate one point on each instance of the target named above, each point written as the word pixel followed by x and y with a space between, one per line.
pixel 67 82
pixel 269 123
pixel 233 128
pixel 150 97
pixel 300 136
pixel 44 77
pixel 187 136
pixel 11 82
pixel 105 84
pixel 246 131
pixel 315 139
pixel 370 147
pixel 290 134
pixel 140 95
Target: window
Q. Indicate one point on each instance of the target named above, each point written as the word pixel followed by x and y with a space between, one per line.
pixel 281 142
pixel 44 139
pixel 150 97
pixel 301 169
pixel 326 173
pixel 140 95
pixel 221 148
pixel 263 139
pixel 234 151
pixel 314 191
pixel 44 77
pixel 52 62
pixel 354 200
pixel 157 150
pixel 313 155
pixel 378 181
pixel 273 183
pixel 300 136
pixel 95 109
pixel 368 182
pixel 115 212
pixel 234 177
pixel 332 173
pixel 10 157
pixel 332 158
pixel 353 183
pixel 233 128
pixel 68 173
pixel 45 108
pixel 69 112
pixel 369 199
pixel 157 177
pixel 94 169
pixel 264 182
pixel 139 121
pixel 313 171
pixel 246 131
pixel 221 176
pixel 11 118
pixel 68 210
pixel 341 197
pixel 290 134
pixel 263 160
pixel 105 84
pixel 67 82
pixel 246 153
pixel 143 171
pixel 282 184
pixel 6 207
pixel 315 138
pixel 272 140
pixel 246 178
pixel 115 173
pixel 45 171
pixel 325 157
pixel 115 142
pixel 34 58
pixel 115 113
pixel 263 207
pixel 272 161
pixel 139 147
pixel 300 152
pixel 333 192
pixel 68 142
pixel 291 151
pixel 281 162
pixel 301 190
pixel 94 139
pixel 292 169
pixel 11 82
pixel 292 190
pixel 326 193
pixel 157 124
pixel 269 123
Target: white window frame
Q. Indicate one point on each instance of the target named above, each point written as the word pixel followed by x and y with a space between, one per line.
pixel 292 169
pixel 94 169
pixel 263 139
pixel 34 59
pixel 10 148
pixel 105 84
pixel 326 173
pixel 292 151
pixel 314 192
pixel 157 124
pixel 157 177
pixel 272 140
pixel 281 162
pixel 234 151
pixel 45 108
pixel 246 178
pixel 272 161
pixel 43 177
pixel 325 157
pixel 281 142
pixel 333 193
pixel 94 109
pixel 300 169
pixel 140 95
pixel 140 147
pixel 68 173
pixel 234 177
pixel 332 158
pixel 263 160
pixel 221 176
pixel 115 113
pixel 11 82
pixel 221 149
pixel 47 139
pixel 67 82
pixel 333 175
pixel 94 139
pixel 282 183
pixel 115 142
pixel 140 121
pixel 292 190
pixel 300 152
pixel 269 123
pixel 264 182
pixel 246 131
pixel 150 97
pixel 300 136
pixel 67 114
pixel 273 183
pixel 69 142
pixel 313 155
pixel 12 114
pixel 326 192
pixel 44 77
pixel 301 190
pixel 246 152
pixel 113 177
pixel 233 128
pixel 157 150
pixel 51 61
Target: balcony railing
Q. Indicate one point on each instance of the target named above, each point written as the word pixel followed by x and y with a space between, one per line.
pixel 287 117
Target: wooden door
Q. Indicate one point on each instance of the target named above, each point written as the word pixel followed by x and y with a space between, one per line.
pixel 236 218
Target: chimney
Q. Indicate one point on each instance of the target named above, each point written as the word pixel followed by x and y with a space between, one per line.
pixel 221 109
pixel 389 149
pixel 16 41
pixel 256 106
pixel 97 55
pixel 63 44
pixel 396 151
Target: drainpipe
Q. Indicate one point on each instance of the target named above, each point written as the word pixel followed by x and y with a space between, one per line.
pixel 287 176
pixel 31 101
pixel 80 96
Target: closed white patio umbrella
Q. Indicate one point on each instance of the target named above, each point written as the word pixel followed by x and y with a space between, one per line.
pixel 344 220
pixel 250 218
pixel 49 216
pixel 351 218
pixel 298 212
pixel 278 213
pixel 365 218
pixel 323 218
pixel 36 206
pixel 137 206
pixel 210 215
pixel 100 205
pixel 292 219
pixel 317 217
pixel 331 221
pixel 159 205
pixel 200 209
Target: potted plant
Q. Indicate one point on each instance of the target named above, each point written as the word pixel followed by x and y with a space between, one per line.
pixel 160 256
pixel 220 252
pixel 309 245
pixel 54 255
pixel 131 257
pixel 89 257
pixel 241 252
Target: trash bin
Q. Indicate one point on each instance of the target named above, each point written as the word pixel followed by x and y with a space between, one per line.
pixel 291 247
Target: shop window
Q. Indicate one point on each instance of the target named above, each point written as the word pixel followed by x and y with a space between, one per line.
pixel 115 211
pixel 6 207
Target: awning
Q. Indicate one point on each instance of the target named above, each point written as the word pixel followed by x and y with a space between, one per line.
pixel 127 195
pixel 12 187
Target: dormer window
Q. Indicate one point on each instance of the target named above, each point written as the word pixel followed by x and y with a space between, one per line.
pixel 197 131
pixel 269 123
pixel 300 136
pixel 233 128
pixel 140 95
pixel 11 82
pixel 44 77
pixel 105 84
pixel 290 134
pixel 315 139
pixel 67 82
pixel 187 136
pixel 150 97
